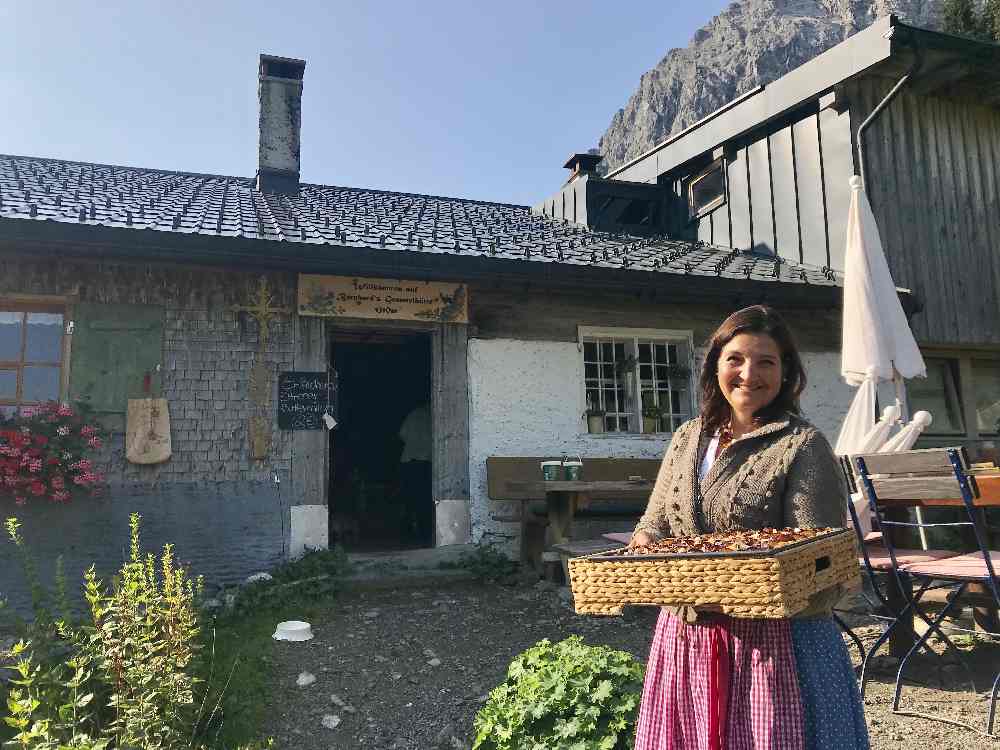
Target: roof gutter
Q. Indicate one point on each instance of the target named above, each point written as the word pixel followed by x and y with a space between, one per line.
pixel 918 63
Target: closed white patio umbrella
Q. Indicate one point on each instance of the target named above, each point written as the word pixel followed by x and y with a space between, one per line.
pixel 876 336
pixel 877 344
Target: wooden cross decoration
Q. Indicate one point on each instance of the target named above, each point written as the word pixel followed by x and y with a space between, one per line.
pixel 259 385
pixel 262 311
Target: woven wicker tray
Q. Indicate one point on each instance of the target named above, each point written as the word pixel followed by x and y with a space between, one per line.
pixel 759 584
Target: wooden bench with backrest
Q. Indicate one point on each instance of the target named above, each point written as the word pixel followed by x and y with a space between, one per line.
pixel 500 470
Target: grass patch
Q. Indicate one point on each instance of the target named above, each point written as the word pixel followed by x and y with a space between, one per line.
pixel 243 658
pixel 241 670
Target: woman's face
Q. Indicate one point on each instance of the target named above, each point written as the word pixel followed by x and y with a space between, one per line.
pixel 750 372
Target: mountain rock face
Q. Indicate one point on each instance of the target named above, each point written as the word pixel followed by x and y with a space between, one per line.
pixel 750 43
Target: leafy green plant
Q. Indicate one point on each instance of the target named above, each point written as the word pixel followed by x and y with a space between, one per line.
pixel 314 575
pixel 129 677
pixel 565 695
pixel 485 562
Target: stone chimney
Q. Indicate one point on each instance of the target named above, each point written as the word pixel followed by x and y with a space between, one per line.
pixel 581 164
pixel 280 94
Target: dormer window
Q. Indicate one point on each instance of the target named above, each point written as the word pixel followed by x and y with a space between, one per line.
pixel 707 189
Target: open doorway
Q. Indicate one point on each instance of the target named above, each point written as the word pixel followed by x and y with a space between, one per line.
pixel 380 454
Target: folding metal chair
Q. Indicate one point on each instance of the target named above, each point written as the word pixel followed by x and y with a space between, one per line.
pixel 907 478
pixel 875 564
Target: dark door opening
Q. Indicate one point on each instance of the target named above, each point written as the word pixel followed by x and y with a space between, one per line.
pixel 380 454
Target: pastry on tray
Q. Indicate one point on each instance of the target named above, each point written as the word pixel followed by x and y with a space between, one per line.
pixel 737 540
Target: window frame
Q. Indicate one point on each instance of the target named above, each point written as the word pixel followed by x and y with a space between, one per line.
pixel 37 304
pixel 681 337
pixel 962 360
pixel 718 164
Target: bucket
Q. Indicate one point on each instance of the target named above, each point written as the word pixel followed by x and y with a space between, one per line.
pixel 573 470
pixel 552 471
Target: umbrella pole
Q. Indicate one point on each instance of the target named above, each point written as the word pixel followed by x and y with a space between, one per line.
pixel 904 417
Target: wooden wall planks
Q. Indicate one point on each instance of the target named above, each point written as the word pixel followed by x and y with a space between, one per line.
pixel 450 410
pixel 934 185
pixel 535 316
pixel 310 448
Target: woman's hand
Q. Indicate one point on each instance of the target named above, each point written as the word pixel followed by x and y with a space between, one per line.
pixel 641 539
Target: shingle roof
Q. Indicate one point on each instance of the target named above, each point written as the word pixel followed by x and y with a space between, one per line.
pixel 212 205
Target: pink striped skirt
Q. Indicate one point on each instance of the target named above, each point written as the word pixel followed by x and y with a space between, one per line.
pixel 727 684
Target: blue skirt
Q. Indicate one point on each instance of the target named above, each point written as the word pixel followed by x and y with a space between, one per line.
pixel 832 710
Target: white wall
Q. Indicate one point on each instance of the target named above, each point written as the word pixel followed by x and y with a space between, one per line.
pixel 827 396
pixel 526 399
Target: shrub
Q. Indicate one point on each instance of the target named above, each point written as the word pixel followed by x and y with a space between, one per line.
pixel 486 563
pixel 127 678
pixel 315 575
pixel 567 695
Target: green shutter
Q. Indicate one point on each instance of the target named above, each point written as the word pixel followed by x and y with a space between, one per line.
pixel 113 348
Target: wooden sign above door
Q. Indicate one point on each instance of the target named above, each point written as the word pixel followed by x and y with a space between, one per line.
pixel 382 299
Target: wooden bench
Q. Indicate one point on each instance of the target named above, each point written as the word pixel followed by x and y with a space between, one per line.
pixel 516 479
pixel 578 549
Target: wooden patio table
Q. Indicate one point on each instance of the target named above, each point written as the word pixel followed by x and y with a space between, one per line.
pixel 988 483
pixel 563 498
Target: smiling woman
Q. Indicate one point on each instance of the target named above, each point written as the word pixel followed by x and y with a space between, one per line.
pixel 748 462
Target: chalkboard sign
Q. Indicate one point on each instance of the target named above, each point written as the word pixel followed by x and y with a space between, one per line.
pixel 302 399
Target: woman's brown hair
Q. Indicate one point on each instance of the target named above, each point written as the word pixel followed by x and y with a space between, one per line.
pixel 715 411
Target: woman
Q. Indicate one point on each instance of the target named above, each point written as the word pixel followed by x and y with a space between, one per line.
pixel 749 461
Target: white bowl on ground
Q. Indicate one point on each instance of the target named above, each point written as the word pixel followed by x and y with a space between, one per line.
pixel 293 630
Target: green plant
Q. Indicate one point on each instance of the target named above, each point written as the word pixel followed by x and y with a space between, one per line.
pixel 624 366
pixel 593 410
pixel 129 677
pixel 485 562
pixel 314 575
pixel 678 371
pixel 961 17
pixel 565 695
pixel 43 453
pixel 991 19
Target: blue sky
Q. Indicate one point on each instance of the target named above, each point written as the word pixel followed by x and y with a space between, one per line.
pixel 470 99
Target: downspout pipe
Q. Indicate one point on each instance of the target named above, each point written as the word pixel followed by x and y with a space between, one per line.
pixel 918 64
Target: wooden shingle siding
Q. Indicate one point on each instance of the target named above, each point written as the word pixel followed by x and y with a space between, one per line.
pixel 934 186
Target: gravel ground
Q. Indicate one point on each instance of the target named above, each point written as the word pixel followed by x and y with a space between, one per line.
pixel 409 668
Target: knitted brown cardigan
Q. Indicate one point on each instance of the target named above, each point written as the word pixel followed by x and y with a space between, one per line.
pixel 784 473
